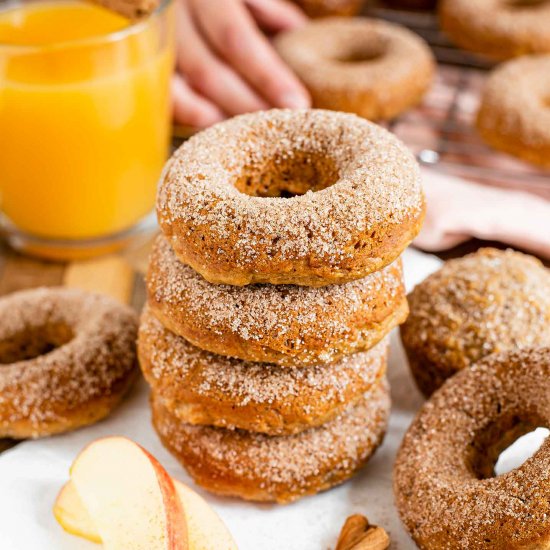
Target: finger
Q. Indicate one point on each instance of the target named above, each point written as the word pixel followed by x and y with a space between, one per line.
pixel 235 36
pixel 190 108
pixel 276 15
pixel 207 74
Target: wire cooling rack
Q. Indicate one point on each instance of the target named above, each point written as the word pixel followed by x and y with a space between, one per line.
pixel 441 131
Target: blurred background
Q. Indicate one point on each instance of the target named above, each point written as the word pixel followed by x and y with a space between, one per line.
pixel 90 109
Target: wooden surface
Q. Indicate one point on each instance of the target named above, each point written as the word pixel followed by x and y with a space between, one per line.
pixel 119 275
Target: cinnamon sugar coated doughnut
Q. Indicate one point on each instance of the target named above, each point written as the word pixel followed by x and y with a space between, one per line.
pixel 67 359
pixel 365 66
pixel 266 468
pixel 499 29
pixel 322 8
pixel 203 388
pixel 355 199
pixel 445 489
pixel 515 108
pixel 473 306
pixel 412 4
pixel 283 324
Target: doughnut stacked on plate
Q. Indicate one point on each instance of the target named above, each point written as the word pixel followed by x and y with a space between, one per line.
pixel 270 293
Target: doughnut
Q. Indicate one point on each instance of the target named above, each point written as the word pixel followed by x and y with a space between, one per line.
pixel 306 197
pixel 276 468
pixel 483 303
pixel 284 324
pixel 514 115
pixel 67 358
pixel 365 66
pixel 445 490
pixel 203 388
pixel 412 4
pixel 322 8
pixel 497 29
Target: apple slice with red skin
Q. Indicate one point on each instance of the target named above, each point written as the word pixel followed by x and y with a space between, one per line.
pixel 129 497
pixel 205 529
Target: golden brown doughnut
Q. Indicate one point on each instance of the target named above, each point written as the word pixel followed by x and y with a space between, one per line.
pixel 514 115
pixel 355 199
pixel 412 4
pixel 67 359
pixel 444 483
pixel 276 468
pixel 370 67
pixel 322 8
pixel 498 29
pixel 483 303
pixel 283 324
pixel 203 388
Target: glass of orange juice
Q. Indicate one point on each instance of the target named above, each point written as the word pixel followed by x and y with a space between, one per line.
pixel 84 124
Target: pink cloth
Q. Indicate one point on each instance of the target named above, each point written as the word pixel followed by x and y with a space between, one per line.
pixel 459 210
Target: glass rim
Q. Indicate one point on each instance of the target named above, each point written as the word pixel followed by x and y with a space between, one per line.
pixel 132 28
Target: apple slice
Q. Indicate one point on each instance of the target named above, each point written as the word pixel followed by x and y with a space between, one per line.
pixel 129 497
pixel 72 516
pixel 205 528
pixel 206 531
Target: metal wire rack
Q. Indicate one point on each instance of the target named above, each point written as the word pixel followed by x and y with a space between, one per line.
pixel 441 131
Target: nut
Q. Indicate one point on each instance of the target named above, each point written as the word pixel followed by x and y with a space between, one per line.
pixel 358 534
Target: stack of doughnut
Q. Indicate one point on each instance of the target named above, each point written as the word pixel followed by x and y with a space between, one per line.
pixel 271 290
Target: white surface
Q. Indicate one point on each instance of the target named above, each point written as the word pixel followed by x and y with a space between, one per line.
pixel 32 473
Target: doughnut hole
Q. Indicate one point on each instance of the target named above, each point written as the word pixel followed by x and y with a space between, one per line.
pixel 522 449
pixel 499 438
pixel 33 342
pixel 289 174
pixel 359 51
pixel 362 53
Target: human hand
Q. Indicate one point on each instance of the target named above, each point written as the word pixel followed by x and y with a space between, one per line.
pixel 226 65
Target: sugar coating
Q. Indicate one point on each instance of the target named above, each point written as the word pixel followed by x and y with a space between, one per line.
pixel 441 497
pixel 98 356
pixel 499 28
pixel 378 180
pixel 176 362
pixel 482 303
pixel 277 468
pixel 312 322
pixel 351 55
pixel 515 100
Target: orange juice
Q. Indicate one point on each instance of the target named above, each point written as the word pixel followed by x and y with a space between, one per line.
pixel 84 117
